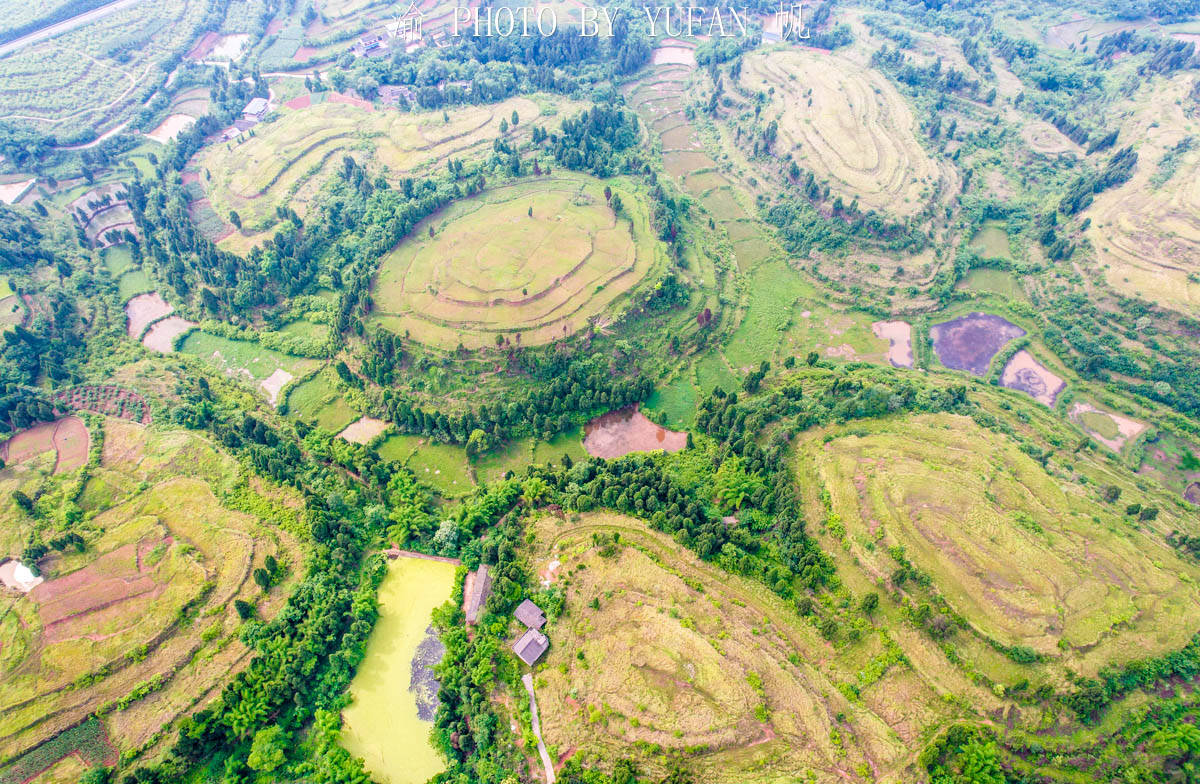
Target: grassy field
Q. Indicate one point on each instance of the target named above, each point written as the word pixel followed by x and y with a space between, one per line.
pixel 319 401
pixel 289 159
pixel 132 282
pixel 658 650
pixel 1147 231
pixel 1024 555
pixel 160 546
pixel 532 262
pixel 845 123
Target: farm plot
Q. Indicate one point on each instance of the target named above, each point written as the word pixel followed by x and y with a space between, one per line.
pixel 969 342
pixel 1147 231
pixel 1021 558
pixel 67 438
pixel 1112 430
pixel 260 367
pixel 319 400
pixel 529 263
pixel 161 549
pixel 288 160
pixel 659 650
pixel 845 123
pixel 105 399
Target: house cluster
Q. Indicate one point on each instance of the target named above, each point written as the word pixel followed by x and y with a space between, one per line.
pixel 252 115
pixel 402 33
pixel 532 644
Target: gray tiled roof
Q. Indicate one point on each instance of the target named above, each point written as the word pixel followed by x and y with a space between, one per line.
pixel 531 646
pixel 530 614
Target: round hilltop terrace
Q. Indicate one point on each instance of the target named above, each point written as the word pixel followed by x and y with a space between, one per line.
pixel 524 264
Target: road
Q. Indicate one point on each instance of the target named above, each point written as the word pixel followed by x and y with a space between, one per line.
pixel 527 679
pixel 65 25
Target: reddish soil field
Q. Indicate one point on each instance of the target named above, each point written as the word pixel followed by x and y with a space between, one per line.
pixel 28 443
pixel 969 342
pixel 627 430
pixel 304 52
pixel 302 102
pixel 360 103
pixel 204 46
pixel 190 177
pixel 67 437
pixel 111 400
pixel 111 580
pixel 71 442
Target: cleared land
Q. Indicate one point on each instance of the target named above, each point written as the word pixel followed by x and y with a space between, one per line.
pixel 531 263
pixel 1026 374
pixel 1024 559
pixel 1147 231
pixel 288 160
pixel 845 123
pixel 161 549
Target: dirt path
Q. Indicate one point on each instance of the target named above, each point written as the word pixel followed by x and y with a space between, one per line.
pixel 547 763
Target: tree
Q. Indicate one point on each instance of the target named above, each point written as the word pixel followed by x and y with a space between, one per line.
pixel 263 578
pixel 516 118
pixel 617 206
pixel 269 749
pixel 235 219
pixel 245 610
pixel 503 126
pixel 870 603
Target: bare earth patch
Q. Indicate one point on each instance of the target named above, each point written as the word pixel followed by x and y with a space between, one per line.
pixel 1127 428
pixel 969 342
pixel 143 309
pixel 161 335
pixel 362 431
pixel 16 576
pixel 899 337
pixel 274 384
pixel 627 430
pixel 171 127
pixel 1026 374
pixel 67 437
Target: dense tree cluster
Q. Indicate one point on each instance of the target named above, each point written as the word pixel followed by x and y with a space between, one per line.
pixel 581 389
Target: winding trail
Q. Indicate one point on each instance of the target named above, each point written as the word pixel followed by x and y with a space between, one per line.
pixel 527 679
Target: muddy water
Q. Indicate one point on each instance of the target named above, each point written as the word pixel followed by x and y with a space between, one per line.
pixel 393 689
pixel 628 430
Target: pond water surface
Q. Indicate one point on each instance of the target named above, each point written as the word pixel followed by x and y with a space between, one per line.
pixel 628 430
pixel 393 688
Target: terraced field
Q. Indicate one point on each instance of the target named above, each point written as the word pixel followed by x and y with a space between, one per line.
pixel 288 160
pixel 661 650
pixel 848 124
pixel 1147 231
pixel 147 604
pixel 530 263
pixel 1024 557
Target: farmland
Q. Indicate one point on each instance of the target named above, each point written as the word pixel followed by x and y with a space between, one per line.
pixel 286 161
pixel 160 569
pixel 659 650
pixel 1023 559
pixel 1146 232
pixel 847 124
pixel 102 70
pixel 528 263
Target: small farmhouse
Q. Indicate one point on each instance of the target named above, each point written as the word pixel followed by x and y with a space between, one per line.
pixel 532 645
pixel 530 614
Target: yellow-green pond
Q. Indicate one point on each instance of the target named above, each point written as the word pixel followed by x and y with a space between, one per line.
pixel 382 725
